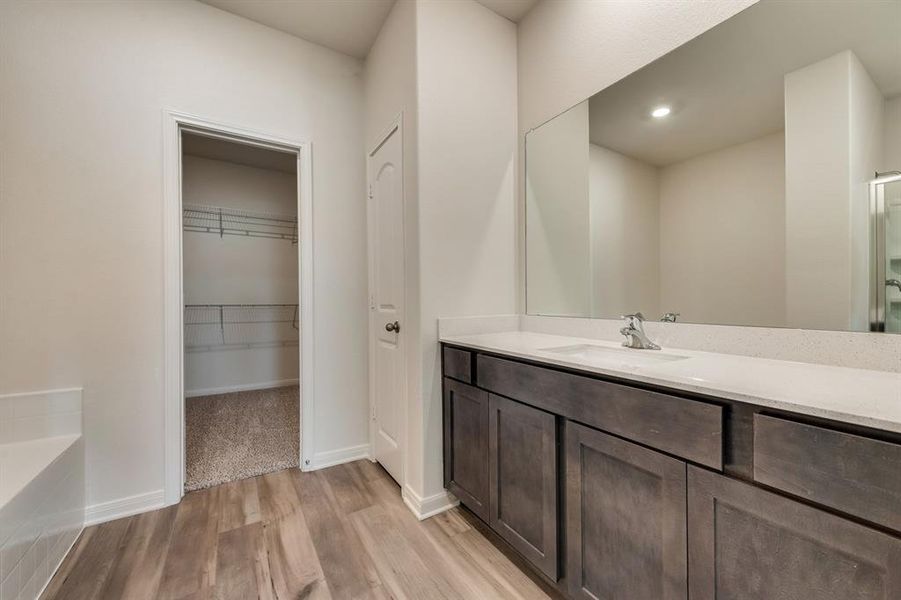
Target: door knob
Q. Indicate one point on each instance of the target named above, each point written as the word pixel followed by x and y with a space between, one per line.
pixel 395 327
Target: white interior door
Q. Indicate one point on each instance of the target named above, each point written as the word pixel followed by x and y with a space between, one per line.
pixel 386 322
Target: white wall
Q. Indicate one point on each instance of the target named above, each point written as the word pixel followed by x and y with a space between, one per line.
pixel 722 235
pixel 827 167
pixel 466 71
pixel 459 164
pixel 865 140
pixel 233 269
pixel 670 218
pixel 83 87
pixel 625 235
pixel 558 224
pixel 239 270
pixel 891 153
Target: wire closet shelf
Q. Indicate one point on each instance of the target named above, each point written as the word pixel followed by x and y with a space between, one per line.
pixel 233 221
pixel 210 326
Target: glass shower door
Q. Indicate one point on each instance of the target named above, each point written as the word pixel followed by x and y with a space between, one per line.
pixel 892 203
pixel 886 200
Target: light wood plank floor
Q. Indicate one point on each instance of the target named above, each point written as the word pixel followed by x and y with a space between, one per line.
pixel 342 532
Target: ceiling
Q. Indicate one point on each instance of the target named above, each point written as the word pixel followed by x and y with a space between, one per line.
pixel 726 86
pixel 234 152
pixel 348 26
pixel 511 9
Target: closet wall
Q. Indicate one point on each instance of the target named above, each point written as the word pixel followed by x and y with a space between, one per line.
pixel 232 269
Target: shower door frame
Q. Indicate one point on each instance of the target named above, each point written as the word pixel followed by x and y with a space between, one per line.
pixel 878 258
pixel 174 123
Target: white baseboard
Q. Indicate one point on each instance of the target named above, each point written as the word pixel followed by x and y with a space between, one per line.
pixel 246 387
pixel 337 457
pixel 123 507
pixel 429 506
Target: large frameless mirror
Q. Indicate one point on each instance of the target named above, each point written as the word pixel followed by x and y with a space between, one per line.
pixel 749 177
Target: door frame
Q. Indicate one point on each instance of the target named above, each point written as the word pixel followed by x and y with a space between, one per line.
pixel 174 123
pixel 395 126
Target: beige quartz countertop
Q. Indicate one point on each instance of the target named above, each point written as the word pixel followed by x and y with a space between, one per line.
pixel 856 396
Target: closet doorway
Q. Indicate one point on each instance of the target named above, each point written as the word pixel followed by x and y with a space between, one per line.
pixel 241 320
pixel 238 271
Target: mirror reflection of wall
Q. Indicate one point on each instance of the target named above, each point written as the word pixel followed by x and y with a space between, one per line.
pixel 727 181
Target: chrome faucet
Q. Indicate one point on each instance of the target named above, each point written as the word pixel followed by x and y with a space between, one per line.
pixel 635 335
pixel 669 317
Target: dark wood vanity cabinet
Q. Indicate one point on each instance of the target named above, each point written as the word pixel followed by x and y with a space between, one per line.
pixel 523 498
pixel 625 519
pixel 613 490
pixel 466 445
pixel 746 543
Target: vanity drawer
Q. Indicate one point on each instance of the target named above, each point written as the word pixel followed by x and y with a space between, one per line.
pixel 851 473
pixel 685 428
pixel 458 364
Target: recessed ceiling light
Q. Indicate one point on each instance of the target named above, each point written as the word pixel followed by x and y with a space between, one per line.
pixel 660 112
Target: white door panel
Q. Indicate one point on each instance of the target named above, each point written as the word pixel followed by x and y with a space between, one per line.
pixel 387 288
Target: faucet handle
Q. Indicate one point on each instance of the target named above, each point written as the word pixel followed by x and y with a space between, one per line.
pixel 638 316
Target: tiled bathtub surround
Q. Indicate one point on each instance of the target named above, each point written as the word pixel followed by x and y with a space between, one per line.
pixel 41 487
pixel 876 351
pixel 36 415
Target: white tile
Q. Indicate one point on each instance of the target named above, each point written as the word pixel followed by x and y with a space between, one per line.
pixel 27 565
pixel 46 403
pixel 42 505
pixel 29 590
pixel 32 428
pixel 6 429
pixel 41 575
pixel 10 588
pixel 6 411
pixel 13 551
pixel 40 552
pixel 11 518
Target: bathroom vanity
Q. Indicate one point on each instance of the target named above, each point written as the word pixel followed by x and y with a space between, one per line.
pixel 691 192
pixel 649 482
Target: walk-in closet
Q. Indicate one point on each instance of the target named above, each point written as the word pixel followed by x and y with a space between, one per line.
pixel 241 312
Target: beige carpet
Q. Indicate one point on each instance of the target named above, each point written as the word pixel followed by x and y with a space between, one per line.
pixel 244 434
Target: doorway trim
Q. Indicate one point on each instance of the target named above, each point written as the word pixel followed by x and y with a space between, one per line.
pixel 174 123
pixel 395 127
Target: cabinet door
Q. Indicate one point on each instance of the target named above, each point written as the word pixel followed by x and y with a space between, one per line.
pixel 466 445
pixel 523 480
pixel 750 544
pixel 625 519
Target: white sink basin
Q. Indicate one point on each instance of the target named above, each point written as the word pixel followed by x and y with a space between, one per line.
pixel 613 357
